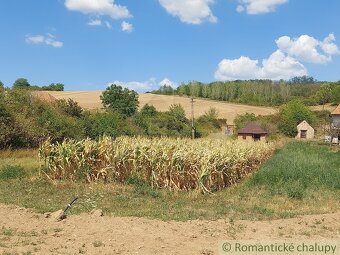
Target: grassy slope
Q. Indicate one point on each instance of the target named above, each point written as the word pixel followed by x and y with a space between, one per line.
pixel 302 178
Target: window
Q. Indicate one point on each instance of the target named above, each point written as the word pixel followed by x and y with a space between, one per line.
pixel 303 134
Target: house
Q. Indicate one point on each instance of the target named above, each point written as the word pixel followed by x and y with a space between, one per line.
pixel 252 132
pixel 336 117
pixel 334 131
pixel 305 131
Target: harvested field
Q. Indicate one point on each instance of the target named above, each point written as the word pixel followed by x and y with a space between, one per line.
pixel 91 100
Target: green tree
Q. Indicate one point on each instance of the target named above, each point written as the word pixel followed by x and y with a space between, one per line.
pixel 324 94
pixel 292 114
pixel 21 83
pixel 177 111
pixel 336 93
pixel 54 87
pixel 2 87
pixel 70 107
pixel 241 120
pixel 124 101
pixel 148 110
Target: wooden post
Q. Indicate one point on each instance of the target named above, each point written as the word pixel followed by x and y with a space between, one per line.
pixel 192 119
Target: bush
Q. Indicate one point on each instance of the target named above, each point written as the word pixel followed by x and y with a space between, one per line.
pixel 292 114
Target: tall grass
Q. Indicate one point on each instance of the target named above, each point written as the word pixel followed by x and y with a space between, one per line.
pixel 298 168
pixel 176 164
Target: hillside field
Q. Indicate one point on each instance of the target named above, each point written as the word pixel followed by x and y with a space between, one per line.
pixel 91 100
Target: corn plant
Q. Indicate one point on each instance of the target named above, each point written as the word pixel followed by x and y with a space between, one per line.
pixel 177 164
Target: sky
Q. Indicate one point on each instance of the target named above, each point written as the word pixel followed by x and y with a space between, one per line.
pixel 142 44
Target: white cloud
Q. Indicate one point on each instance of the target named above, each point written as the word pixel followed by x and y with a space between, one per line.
pixel 259 6
pixel 138 86
pixel 47 39
pixel 284 63
pixel 95 22
pixel 149 85
pixel 308 49
pixel 279 66
pixel 99 7
pixel 127 27
pixel 190 11
pixel 276 67
pixel 234 69
pixel 168 82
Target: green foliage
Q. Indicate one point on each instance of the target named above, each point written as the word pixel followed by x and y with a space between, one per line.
pixel 53 87
pixel 255 92
pixel 292 114
pixel 26 121
pixel 241 120
pixel 177 111
pixel 165 90
pixel 211 114
pixel 97 124
pixel 21 83
pixel 302 80
pixel 335 94
pixel 70 107
pixel 2 87
pixel 148 110
pixel 324 94
pixel 124 101
pixel 11 172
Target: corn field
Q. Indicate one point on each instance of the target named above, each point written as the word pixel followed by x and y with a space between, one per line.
pixel 177 164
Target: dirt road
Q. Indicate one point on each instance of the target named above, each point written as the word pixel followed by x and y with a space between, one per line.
pixel 24 232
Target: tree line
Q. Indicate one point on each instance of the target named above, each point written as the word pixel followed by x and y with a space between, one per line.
pixel 24 84
pixel 261 92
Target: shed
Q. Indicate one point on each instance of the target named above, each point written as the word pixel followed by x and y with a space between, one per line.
pixel 252 132
pixel 336 117
pixel 305 131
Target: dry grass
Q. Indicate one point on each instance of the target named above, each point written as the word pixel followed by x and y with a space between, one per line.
pixel 91 100
pixel 328 107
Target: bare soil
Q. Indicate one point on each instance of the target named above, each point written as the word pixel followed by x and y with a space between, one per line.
pixel 25 232
pixel 91 100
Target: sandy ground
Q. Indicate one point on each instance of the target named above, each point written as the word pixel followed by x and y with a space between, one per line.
pixel 24 232
pixel 91 100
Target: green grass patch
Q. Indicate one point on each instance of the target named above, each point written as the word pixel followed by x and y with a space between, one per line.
pixel 301 178
pixel 12 172
pixel 298 168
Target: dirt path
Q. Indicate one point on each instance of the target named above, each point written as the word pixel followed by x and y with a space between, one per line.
pixel 24 232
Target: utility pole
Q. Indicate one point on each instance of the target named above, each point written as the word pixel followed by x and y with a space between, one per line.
pixel 192 118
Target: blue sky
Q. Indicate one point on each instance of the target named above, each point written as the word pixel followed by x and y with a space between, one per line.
pixel 88 44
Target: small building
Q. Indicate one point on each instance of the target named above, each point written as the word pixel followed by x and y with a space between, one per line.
pixel 336 117
pixel 252 132
pixel 305 131
pixel 228 130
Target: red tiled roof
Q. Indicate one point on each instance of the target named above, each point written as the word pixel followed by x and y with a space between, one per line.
pixel 252 128
pixel 336 111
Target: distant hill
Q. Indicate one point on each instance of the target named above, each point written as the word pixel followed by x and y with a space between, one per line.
pixel 91 100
